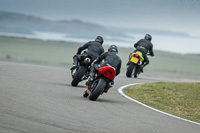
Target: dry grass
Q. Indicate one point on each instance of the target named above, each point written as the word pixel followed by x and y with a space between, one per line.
pixel 180 99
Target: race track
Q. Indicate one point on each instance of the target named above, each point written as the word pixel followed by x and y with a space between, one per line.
pixel 39 99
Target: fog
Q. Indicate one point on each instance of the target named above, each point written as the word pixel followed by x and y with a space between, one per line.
pixel 172 15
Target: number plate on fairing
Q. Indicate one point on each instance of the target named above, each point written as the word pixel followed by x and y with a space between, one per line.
pixel 134 60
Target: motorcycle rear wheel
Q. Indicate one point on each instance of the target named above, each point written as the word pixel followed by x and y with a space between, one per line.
pixel 97 90
pixel 136 75
pixel 130 70
pixel 79 74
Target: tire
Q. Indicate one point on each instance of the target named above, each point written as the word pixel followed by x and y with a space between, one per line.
pixel 137 72
pixel 130 70
pixel 98 90
pixel 79 74
pixel 136 75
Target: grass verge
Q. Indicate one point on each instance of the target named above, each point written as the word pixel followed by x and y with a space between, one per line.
pixel 180 99
pixel 59 54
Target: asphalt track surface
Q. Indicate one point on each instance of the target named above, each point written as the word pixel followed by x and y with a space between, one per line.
pixel 38 99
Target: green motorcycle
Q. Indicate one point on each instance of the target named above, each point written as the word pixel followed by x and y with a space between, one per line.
pixel 134 64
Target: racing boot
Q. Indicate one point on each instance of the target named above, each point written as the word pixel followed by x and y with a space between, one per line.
pixel 142 67
pixel 85 94
pixel 91 78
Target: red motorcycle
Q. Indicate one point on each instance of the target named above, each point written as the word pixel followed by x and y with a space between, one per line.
pixel 101 84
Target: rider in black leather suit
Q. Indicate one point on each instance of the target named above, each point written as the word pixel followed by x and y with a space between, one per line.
pixel 110 59
pixel 145 46
pixel 94 49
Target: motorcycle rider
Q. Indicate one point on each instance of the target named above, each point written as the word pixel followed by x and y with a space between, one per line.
pixel 94 49
pixel 110 59
pixel 145 46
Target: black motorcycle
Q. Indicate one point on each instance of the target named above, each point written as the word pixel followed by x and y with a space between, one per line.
pixel 81 72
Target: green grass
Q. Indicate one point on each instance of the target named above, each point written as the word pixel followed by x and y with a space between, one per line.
pixel 178 64
pixel 180 99
pixel 51 53
pixel 60 53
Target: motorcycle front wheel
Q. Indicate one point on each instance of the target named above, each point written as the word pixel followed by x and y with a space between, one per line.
pixel 97 90
pixel 78 75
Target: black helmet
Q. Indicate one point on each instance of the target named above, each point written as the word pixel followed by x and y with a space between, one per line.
pixel 113 48
pixel 148 37
pixel 99 39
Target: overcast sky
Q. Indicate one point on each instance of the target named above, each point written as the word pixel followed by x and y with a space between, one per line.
pixel 175 15
pixel 171 15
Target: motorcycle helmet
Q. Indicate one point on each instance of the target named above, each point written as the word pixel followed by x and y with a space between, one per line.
pixel 148 37
pixel 113 48
pixel 99 39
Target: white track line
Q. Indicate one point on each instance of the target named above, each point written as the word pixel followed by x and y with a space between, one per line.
pixel 120 90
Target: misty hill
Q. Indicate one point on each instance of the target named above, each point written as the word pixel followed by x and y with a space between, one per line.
pixel 26 24
pixel 15 22
pixel 19 23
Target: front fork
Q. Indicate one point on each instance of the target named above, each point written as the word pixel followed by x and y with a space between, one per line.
pixel 73 72
pixel 75 60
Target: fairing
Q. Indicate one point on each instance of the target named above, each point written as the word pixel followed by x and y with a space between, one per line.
pixel 107 72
